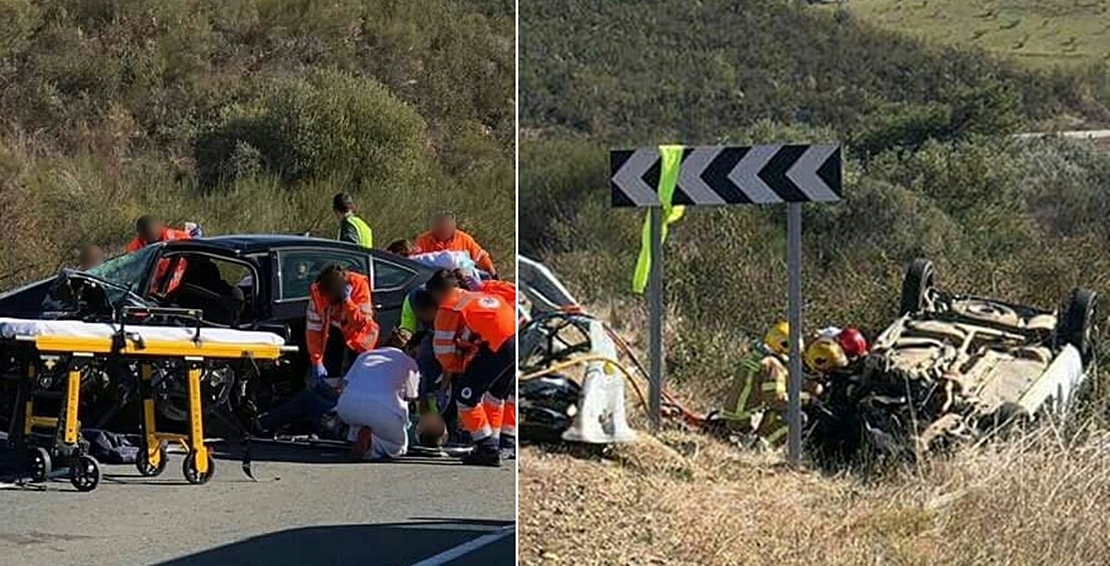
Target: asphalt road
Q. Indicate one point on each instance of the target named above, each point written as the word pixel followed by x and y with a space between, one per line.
pixel 307 507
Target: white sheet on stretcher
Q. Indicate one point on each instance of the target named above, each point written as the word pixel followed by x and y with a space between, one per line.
pixel 11 328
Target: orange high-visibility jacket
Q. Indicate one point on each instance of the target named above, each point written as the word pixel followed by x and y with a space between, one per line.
pixel 503 289
pixel 460 242
pixel 466 320
pixel 507 291
pixel 168 234
pixel 354 318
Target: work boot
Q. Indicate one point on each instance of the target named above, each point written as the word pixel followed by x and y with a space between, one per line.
pixel 508 448
pixel 483 456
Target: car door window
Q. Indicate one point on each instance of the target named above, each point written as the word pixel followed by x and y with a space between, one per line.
pixel 389 276
pixel 300 267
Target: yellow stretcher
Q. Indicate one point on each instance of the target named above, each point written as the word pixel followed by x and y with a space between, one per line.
pixel 44 345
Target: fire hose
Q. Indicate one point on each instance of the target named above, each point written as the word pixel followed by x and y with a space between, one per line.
pixel 671 406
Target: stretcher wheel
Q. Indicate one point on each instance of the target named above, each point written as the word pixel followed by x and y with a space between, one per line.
pixel 189 468
pixel 146 469
pixel 85 473
pixel 40 463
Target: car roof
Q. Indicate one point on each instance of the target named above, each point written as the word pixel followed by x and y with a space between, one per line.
pixel 249 243
pixel 246 244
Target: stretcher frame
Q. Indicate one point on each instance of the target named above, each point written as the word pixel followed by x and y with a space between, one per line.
pixel 197 467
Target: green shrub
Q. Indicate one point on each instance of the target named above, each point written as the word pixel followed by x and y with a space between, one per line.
pixel 248 116
pixel 313 128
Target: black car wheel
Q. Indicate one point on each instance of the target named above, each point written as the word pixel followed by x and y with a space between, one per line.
pixel 1078 322
pixel 915 286
pixel 546 406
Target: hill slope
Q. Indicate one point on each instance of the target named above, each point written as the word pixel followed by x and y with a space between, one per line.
pixel 931 171
pixel 247 116
pixel 1042 33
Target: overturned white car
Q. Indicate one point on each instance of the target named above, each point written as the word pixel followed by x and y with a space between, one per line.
pixel 955 367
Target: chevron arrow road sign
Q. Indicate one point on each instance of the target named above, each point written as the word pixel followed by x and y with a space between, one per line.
pixel 721 175
pixel 726 175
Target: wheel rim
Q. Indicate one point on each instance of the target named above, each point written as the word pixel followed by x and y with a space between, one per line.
pixel 39 466
pixel 85 474
pixel 191 472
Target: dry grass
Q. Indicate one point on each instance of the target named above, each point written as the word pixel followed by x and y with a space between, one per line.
pixel 683 498
pixel 1029 503
pixel 1043 33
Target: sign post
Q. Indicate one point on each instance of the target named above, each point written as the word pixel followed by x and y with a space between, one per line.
pixel 655 325
pixel 729 175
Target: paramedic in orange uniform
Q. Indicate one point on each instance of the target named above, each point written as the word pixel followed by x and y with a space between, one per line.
pixel 506 291
pixel 446 236
pixel 475 342
pixel 150 230
pixel 339 322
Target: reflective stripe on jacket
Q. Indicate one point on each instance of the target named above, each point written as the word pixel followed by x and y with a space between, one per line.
pixel 354 318
pixel 760 385
pixel 168 234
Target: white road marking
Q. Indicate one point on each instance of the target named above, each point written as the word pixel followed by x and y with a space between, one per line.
pixel 467 547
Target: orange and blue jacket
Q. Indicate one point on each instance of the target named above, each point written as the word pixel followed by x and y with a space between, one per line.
pixel 353 317
pixel 168 234
pixel 507 291
pixel 465 321
pixel 460 242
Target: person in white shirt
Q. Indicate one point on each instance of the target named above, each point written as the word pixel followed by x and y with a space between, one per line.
pixel 375 397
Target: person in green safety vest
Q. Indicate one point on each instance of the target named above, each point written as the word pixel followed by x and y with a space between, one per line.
pixel 756 404
pixel 351 228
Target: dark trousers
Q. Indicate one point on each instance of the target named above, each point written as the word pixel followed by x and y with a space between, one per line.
pixel 315 400
pixel 492 372
pixel 310 404
pixel 337 356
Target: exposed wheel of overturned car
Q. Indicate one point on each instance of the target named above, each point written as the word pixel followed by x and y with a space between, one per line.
pixel 1077 324
pixel 919 279
pixel 953 369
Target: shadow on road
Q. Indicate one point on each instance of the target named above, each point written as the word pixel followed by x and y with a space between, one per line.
pixel 387 544
pixel 309 454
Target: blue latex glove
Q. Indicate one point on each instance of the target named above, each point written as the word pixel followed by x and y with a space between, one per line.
pixel 347 293
pixel 319 372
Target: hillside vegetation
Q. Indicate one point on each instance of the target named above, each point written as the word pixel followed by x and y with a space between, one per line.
pixel 1042 33
pixel 931 171
pixel 246 116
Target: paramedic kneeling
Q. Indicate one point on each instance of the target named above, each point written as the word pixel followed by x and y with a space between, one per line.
pixel 475 343
pixel 375 400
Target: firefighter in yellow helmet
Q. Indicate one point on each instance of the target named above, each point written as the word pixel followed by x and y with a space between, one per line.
pixel 758 401
pixel 762 374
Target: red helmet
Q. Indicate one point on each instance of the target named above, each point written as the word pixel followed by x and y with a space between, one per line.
pixel 853 342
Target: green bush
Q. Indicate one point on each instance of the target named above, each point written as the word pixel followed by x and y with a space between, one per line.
pixel 248 116
pixel 313 128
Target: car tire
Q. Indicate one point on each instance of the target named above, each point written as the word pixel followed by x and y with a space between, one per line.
pixel 915 286
pixel 1077 322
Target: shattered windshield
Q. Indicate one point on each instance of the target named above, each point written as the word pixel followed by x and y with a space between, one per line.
pixel 125 270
